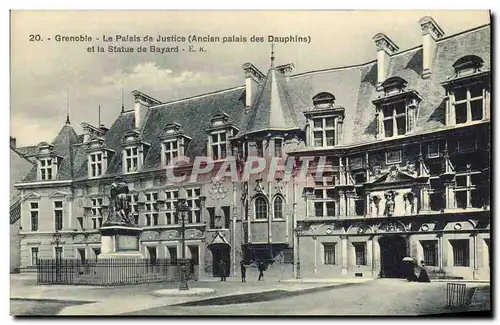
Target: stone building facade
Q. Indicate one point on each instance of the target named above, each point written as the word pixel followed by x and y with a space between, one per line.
pixel 396 153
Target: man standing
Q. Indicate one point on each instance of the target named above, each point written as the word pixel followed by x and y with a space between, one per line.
pixel 222 270
pixel 243 271
pixel 262 267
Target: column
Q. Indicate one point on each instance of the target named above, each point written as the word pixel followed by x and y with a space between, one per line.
pixel 374 256
pixel 342 204
pixel 70 212
pixel 475 256
pixel 368 204
pixel 369 251
pixel 344 256
pixel 424 197
pixel 449 188
pixel 233 230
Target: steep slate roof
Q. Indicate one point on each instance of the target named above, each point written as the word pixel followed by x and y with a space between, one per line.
pixel 273 108
pixel 194 115
pixel 281 103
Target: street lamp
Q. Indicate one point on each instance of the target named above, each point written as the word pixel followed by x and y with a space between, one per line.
pixel 57 239
pixel 181 210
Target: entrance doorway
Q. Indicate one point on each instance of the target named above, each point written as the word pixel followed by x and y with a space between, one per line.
pixel 220 252
pixel 392 252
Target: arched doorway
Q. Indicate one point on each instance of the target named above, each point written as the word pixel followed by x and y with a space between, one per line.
pixel 220 252
pixel 392 252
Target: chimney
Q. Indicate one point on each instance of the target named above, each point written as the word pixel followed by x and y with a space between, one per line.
pixel 286 70
pixel 141 104
pixel 385 48
pixel 431 32
pixel 252 78
pixel 12 142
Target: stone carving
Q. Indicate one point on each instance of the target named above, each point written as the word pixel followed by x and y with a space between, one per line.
pixel 389 203
pixel 119 203
pixel 410 200
pixel 259 187
pixel 278 186
pixel 375 200
pixel 217 191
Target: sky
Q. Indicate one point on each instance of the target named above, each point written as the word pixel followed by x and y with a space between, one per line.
pixel 48 78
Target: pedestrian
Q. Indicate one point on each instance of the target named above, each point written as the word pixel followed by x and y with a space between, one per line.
pixel 411 277
pixel 423 277
pixel 222 270
pixel 243 271
pixel 261 268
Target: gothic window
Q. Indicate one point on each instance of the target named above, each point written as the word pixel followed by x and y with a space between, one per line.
pixel 260 208
pixel 278 207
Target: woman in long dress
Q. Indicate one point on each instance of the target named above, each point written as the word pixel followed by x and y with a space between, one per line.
pixel 423 277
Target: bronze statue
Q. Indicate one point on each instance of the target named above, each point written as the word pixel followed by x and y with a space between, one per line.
pixel 119 203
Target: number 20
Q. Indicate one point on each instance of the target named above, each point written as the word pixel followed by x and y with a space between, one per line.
pixel 36 38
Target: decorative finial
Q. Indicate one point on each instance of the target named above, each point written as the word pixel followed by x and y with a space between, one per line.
pixel 272 55
pixel 67 119
pixel 123 108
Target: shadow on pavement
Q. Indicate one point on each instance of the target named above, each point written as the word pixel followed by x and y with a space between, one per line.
pixel 258 296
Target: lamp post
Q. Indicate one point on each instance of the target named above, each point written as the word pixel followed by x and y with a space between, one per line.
pixel 299 231
pixel 181 210
pixel 57 239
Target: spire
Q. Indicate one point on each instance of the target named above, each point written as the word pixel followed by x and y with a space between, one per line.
pixel 272 55
pixel 123 106
pixel 99 117
pixel 67 99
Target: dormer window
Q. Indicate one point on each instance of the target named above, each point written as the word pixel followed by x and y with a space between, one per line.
pixel 170 150
pixel 219 145
pixel 325 121
pixel 324 131
pixel 45 169
pixel 467 65
pixel 96 164
pixel 394 119
pixel 134 150
pixel 468 92
pixel 396 109
pixel 131 159
pixel 174 143
pixel 47 162
pixel 220 130
pixel 98 157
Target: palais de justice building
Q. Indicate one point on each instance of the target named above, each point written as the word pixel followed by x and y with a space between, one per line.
pixel 403 141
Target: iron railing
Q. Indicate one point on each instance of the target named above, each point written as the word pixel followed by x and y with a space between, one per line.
pixel 456 295
pixel 108 272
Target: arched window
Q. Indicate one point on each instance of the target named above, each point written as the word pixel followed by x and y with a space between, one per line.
pixel 260 208
pixel 278 208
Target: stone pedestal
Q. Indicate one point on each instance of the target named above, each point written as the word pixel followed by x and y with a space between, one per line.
pixel 120 242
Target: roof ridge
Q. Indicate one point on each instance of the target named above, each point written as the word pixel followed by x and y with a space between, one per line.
pixel 396 54
pixel 198 96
